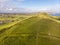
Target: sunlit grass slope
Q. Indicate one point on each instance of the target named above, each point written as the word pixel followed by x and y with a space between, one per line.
pixel 40 29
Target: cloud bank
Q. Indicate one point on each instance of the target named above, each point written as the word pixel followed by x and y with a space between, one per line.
pixel 10 6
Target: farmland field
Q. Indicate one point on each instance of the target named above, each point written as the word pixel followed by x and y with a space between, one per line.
pixel 37 29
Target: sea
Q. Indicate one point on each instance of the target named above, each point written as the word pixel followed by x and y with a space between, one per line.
pixel 56 14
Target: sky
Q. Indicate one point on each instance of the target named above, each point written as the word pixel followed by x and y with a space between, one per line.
pixel 26 6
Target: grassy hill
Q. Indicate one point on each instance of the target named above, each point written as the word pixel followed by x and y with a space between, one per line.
pixel 39 29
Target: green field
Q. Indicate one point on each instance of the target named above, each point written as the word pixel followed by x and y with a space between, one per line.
pixel 38 29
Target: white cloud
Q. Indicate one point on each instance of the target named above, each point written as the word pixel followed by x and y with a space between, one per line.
pixel 9 0
pixel 54 9
pixel 9 3
pixel 20 0
pixel 3 1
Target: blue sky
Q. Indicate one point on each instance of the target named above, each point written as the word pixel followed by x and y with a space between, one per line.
pixel 29 5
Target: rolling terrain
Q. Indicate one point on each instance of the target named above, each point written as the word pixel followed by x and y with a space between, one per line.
pixel 39 29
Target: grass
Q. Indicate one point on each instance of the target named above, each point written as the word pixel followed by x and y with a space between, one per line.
pixel 32 30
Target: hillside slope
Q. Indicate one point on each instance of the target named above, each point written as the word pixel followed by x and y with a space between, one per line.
pixel 36 30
